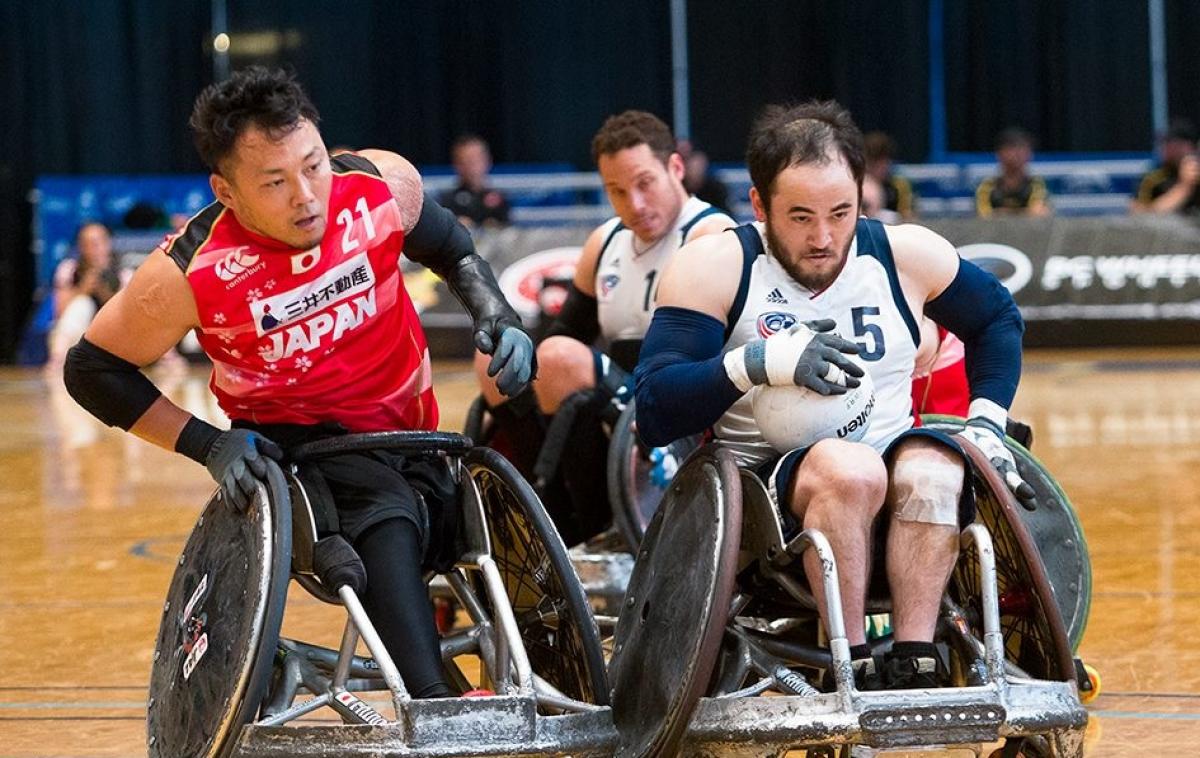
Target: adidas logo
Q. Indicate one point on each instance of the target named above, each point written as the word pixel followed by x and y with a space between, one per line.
pixel 775 296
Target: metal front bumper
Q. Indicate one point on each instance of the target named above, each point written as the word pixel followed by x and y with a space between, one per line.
pixel 494 726
pixel 769 726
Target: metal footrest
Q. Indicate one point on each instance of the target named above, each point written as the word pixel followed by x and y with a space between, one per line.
pixel 493 726
pixel 926 719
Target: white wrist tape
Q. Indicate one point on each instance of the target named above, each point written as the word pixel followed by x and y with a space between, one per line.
pixel 735 368
pixel 984 408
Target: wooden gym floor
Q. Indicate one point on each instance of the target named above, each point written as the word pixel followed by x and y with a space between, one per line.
pixel 93 520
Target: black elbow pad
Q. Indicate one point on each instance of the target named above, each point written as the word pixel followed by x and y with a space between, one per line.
pixel 578 319
pixel 110 388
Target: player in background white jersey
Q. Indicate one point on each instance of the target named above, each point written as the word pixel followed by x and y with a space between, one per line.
pixel 594 342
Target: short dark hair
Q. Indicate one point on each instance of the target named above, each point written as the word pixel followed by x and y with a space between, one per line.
pixel 790 135
pixel 270 99
pixel 1014 136
pixel 463 140
pixel 630 129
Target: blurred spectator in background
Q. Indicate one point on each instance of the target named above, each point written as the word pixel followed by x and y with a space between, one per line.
pixel 472 200
pixel 1171 188
pixel 898 198
pixel 872 205
pixel 698 181
pixel 81 286
pixel 1014 191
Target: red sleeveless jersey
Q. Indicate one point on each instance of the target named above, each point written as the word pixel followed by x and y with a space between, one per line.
pixel 305 336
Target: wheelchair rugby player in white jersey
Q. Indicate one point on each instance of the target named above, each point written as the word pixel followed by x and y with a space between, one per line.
pixel 589 351
pixel 811 295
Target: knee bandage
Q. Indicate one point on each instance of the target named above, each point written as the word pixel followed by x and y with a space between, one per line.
pixel 926 491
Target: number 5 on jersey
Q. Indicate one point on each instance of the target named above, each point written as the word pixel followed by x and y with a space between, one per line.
pixel 876 350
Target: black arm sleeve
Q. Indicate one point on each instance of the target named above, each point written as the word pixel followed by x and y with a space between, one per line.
pixel 441 244
pixel 438 241
pixel 110 388
pixel 681 384
pixel 578 319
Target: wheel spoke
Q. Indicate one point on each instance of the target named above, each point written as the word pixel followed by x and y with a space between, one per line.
pixel 547 627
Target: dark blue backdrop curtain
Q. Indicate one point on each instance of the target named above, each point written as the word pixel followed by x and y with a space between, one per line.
pixel 106 85
pixel 1075 74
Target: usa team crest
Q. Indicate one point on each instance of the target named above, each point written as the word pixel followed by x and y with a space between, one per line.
pixel 775 321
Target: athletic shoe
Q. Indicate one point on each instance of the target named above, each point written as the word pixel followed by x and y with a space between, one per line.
pixel 867 677
pixel 912 673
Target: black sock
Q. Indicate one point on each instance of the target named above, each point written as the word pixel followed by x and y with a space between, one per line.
pixel 859 652
pixel 397 601
pixel 913 650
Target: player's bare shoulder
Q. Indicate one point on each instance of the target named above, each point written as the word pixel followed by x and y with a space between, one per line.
pixel 703 275
pixel 925 260
pixel 403 179
pixel 714 224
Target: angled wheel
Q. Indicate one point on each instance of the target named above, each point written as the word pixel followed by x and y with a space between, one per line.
pixel 1056 531
pixel 1035 638
pixel 220 626
pixel 473 426
pixel 677 605
pixel 547 598
pixel 638 478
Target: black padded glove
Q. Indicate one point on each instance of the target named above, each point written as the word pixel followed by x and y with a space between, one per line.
pixel 235 462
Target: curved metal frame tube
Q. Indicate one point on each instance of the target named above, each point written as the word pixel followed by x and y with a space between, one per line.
pixel 391 675
pixel 835 622
pixel 993 638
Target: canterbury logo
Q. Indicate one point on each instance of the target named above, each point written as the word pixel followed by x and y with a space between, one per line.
pixel 235 264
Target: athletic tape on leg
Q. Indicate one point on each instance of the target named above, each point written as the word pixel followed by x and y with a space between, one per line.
pixel 926 491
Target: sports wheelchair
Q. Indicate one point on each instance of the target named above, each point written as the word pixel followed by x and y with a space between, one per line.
pixel 224 683
pixel 717 612
pixel 637 478
pixel 636 486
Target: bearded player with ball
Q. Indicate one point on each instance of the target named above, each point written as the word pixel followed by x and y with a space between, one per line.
pixel 794 339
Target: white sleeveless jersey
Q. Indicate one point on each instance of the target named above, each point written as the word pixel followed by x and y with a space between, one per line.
pixel 627 271
pixel 870 309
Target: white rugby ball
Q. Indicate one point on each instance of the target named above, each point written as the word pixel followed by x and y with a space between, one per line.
pixel 792 417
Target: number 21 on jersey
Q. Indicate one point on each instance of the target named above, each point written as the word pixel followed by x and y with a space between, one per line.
pixel 346 218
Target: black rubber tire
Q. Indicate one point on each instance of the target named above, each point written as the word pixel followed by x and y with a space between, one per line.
pixel 202 716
